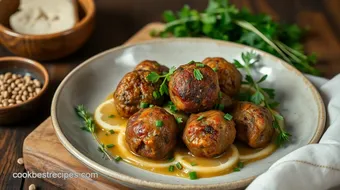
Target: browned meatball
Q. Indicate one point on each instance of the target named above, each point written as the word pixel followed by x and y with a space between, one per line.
pixel 208 134
pixel 193 94
pixel 151 133
pixel 253 124
pixel 149 65
pixel 229 77
pixel 133 90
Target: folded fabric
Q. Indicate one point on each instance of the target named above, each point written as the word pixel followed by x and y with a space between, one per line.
pixel 315 166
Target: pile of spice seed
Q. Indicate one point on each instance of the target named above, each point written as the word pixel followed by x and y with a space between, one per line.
pixel 16 89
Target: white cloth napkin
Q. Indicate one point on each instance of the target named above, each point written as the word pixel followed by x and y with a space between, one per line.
pixel 315 166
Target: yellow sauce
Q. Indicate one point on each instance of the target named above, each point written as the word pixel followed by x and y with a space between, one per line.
pixel 207 167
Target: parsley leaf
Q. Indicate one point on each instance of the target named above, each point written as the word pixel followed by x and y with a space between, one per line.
pixel 263 78
pixel 179 119
pixel 197 74
pixel 257 98
pixel 153 77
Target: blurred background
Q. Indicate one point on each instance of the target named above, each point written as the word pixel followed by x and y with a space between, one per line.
pixel 116 21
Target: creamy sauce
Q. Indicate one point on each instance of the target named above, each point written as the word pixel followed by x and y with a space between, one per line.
pixel 107 119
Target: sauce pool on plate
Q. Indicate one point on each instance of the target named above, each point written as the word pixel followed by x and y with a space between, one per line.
pixel 112 133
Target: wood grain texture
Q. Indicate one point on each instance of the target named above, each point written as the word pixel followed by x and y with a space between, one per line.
pixel 42 152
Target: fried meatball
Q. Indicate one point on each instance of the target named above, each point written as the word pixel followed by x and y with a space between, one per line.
pixel 208 134
pixel 134 89
pixel 151 133
pixel 192 94
pixel 149 65
pixel 228 76
pixel 253 124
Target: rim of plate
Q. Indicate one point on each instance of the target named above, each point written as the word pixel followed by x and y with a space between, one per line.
pixel 149 184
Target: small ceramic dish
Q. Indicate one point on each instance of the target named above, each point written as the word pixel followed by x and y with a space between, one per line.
pixel 49 46
pixel 17 65
pixel 91 82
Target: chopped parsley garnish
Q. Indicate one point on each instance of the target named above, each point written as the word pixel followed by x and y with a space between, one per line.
pixel 215 69
pixel 110 145
pixel 228 117
pixel 200 118
pixel 193 164
pixel 143 105
pixel 197 74
pixel 156 94
pixel 179 119
pixel 239 166
pixel 171 168
pixel 111 116
pixel 159 123
pixel 179 165
pixel 118 158
pixel 222 20
pixel 200 65
pixel 193 175
pixel 112 131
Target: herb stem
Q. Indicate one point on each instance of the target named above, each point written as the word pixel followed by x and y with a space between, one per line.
pixel 90 125
pixel 247 25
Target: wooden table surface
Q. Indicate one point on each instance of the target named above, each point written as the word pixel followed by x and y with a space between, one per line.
pixel 116 21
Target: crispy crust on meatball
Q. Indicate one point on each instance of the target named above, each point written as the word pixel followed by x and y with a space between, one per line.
pixel 229 77
pixel 254 124
pixel 208 134
pixel 150 65
pixel 133 89
pixel 190 94
pixel 148 140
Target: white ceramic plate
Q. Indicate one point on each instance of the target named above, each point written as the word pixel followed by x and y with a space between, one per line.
pixel 92 81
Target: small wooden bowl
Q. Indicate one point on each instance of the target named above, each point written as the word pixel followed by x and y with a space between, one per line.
pixel 49 46
pixel 19 65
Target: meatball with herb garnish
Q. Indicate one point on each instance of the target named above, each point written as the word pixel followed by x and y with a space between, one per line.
pixel 228 76
pixel 194 87
pixel 254 124
pixel 209 134
pixel 134 91
pixel 151 133
pixel 149 65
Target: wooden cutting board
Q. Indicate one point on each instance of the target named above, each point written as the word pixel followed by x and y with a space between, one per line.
pixel 42 151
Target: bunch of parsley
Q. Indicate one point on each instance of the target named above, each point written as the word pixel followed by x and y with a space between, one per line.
pixel 224 21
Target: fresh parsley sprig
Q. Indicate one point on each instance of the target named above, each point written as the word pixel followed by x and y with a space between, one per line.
pixel 262 95
pixel 222 20
pixel 89 126
pixel 154 77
